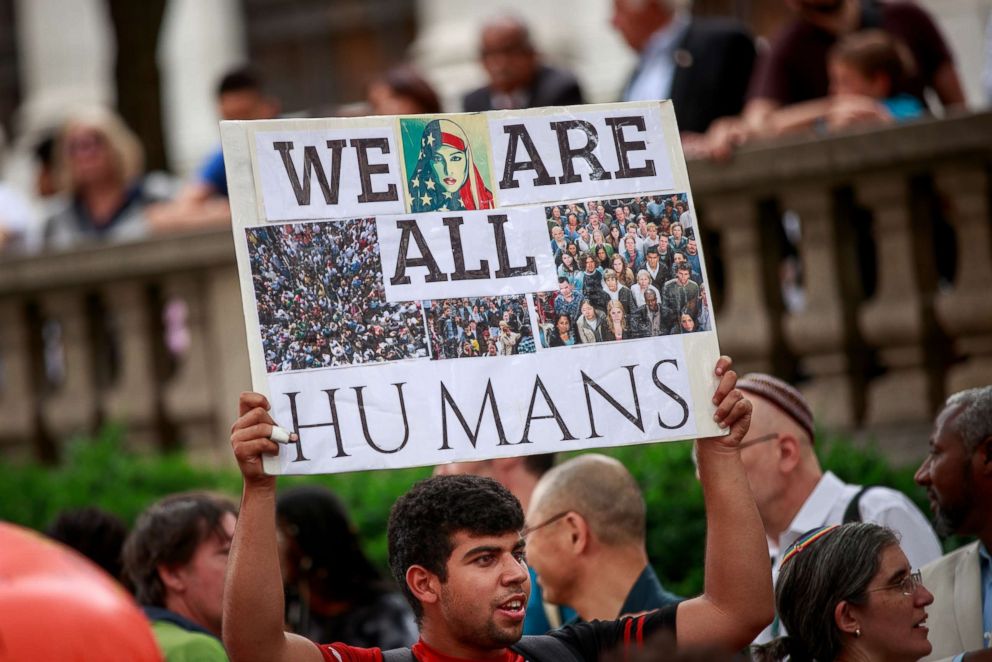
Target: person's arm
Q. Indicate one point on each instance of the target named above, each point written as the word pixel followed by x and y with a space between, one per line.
pixel 253 592
pixel 947 85
pixel 737 600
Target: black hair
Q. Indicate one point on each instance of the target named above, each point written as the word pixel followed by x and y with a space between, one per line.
pixel 539 464
pixel 406 81
pixel 94 533
pixel 169 532
pixel 241 79
pixel 423 523
pixel 331 559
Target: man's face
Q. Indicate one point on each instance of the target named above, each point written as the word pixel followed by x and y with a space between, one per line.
pixel 484 599
pixel 619 215
pixel 245 105
pixel 651 301
pixel 653 260
pixel 203 577
pixel 546 550
pixel 508 59
pixel 683 276
pixel 948 477
pixel 565 288
pixel 663 243
pixel 691 247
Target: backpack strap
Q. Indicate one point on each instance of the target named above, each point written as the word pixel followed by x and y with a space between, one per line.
pixel 853 511
pixel 543 648
pixel 398 655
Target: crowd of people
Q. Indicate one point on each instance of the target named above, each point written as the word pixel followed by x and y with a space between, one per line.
pixel 321 300
pixel 627 268
pixel 479 326
pixel 486 555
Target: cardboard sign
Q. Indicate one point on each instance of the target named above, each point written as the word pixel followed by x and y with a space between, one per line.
pixel 428 289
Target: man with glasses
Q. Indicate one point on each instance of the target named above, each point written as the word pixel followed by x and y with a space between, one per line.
pixel 795 495
pixel 586 537
pixel 456 550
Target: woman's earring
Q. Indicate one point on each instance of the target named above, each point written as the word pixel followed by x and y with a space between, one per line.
pixel 857 633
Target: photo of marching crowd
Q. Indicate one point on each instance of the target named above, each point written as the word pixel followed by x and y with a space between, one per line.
pixel 479 326
pixel 321 300
pixel 627 269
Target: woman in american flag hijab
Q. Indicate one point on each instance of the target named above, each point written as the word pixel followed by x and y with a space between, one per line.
pixel 446 178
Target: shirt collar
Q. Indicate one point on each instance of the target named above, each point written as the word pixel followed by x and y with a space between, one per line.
pixel 814 510
pixel 642 593
pixel 668 36
pixel 162 614
pixel 984 556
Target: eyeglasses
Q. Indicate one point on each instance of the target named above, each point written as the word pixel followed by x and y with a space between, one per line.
pixel 527 530
pixel 907 585
pixel 758 440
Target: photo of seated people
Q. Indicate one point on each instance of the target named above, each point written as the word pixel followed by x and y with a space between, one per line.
pixel 627 269
pixel 321 300
pixel 479 326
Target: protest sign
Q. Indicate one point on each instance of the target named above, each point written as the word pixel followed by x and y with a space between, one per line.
pixel 429 289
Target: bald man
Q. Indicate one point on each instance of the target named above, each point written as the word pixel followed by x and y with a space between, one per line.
pixel 794 494
pixel 585 538
pixel 517 79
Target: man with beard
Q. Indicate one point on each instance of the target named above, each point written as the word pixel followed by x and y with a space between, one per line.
pixel 795 495
pixel 957 475
pixel 457 551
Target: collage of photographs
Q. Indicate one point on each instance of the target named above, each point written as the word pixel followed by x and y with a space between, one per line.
pixel 627 269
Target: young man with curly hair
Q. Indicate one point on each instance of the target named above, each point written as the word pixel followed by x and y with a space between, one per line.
pixel 456 546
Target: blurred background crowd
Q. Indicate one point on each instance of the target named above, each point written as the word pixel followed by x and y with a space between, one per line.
pixel 109 108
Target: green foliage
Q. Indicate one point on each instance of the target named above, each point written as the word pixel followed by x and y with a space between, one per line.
pixel 100 472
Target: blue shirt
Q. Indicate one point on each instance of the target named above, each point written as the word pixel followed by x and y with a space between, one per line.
pixel 214 173
pixel 646 594
pixel 656 70
pixel 985 563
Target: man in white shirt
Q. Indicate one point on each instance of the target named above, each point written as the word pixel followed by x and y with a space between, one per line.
pixel 795 495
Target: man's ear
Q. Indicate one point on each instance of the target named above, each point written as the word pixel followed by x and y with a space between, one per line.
pixel 789 453
pixel 171 577
pixel 579 533
pixel 983 456
pixel 424 584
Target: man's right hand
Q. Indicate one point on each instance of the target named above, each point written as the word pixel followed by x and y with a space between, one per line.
pixel 250 438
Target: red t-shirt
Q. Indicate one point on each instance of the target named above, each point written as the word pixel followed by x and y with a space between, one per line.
pixel 423 653
pixel 581 641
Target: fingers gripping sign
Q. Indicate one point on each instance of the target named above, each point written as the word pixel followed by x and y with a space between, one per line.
pixel 255 434
pixel 733 410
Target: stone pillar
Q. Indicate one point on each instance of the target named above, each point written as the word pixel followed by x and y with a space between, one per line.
pixel 230 355
pixel 820 334
pixel 965 312
pixel 744 320
pixel 187 397
pixel 17 393
pixel 131 398
pixel 72 407
pixel 893 320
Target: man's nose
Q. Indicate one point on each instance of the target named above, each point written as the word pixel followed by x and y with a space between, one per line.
pixel 922 475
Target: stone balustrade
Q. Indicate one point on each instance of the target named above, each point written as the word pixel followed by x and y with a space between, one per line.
pixel 894 248
pixel 896 261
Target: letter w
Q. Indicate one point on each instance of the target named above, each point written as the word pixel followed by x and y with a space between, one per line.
pixel 312 166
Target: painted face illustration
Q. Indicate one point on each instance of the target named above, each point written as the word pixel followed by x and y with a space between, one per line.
pixel 451 167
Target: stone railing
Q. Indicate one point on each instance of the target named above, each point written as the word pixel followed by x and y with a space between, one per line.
pixel 896 259
pixel 150 334
pixel 895 310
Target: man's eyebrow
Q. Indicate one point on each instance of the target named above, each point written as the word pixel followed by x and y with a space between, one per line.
pixel 521 544
pixel 897 575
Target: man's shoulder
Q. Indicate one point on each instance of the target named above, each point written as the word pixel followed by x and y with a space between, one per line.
pixel 949 562
pixel 179 644
pixel 717 27
pixel 477 100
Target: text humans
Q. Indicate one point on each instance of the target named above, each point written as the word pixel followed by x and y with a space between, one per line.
pixel 446 178
pixel 455 542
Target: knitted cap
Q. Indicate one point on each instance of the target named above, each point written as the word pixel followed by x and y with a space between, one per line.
pixel 782 395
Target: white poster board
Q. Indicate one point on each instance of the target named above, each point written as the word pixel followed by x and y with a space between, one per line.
pixel 428 289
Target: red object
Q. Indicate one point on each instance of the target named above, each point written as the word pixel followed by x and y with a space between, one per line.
pixel 57 605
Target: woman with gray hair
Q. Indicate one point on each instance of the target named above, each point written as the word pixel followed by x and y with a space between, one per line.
pixel 847 592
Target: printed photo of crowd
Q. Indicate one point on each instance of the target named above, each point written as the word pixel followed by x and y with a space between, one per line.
pixel 479 326
pixel 321 300
pixel 627 268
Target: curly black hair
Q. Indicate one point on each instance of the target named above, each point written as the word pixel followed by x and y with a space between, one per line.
pixel 423 522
